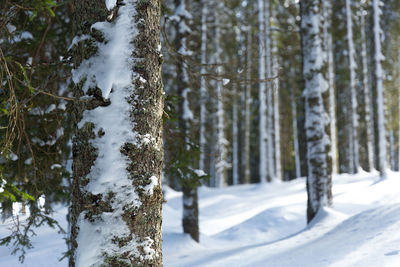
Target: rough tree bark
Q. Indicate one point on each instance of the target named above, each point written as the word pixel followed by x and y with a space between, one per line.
pixel 317 121
pixel 117 148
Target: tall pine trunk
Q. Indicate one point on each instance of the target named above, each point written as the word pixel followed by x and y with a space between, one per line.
pixel 275 83
pixel 295 135
pixel 190 220
pixel 235 136
pixel 327 11
pixel 378 57
pixel 367 94
pixel 220 162
pixel 317 121
pixel 247 99
pixel 352 68
pixel 117 148
pixel 270 109
pixel 203 89
pixel 263 167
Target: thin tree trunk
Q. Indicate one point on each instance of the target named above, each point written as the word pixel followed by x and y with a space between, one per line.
pixel 203 89
pixel 235 159
pixel 190 221
pixel 275 66
pixel 354 116
pixel 378 57
pixel 295 135
pixel 398 133
pixel 367 92
pixel 117 148
pixel 317 123
pixel 327 7
pixel 262 95
pixel 270 116
pixel 190 218
pixel 220 164
pixel 392 151
pixel 246 149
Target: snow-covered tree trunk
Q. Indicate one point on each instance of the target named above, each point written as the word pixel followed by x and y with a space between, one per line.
pixel 235 137
pixel 246 146
pixel 203 89
pixel 317 120
pixel 378 57
pixel 392 148
pixel 190 216
pixel 327 11
pixel 367 92
pixel 190 220
pixel 262 95
pixel 295 136
pixel 270 116
pixel 275 85
pixel 352 67
pixel 220 162
pixel 117 148
pixel 398 119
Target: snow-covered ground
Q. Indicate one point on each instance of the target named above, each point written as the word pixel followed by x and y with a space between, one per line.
pixel 265 225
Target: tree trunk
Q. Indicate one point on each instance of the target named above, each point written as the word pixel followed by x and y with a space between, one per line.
pixel 235 138
pixel 185 116
pixel 378 57
pixel 220 163
pixel 247 99
pixel 270 115
pixel 367 93
pixel 342 81
pixel 327 6
pixel 262 95
pixel 295 135
pixel 190 218
pixel 398 118
pixel 354 116
pixel 317 121
pixel 117 148
pixel 203 89
pixel 275 83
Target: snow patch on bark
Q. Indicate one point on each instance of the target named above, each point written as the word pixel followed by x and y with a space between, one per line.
pixel 110 4
pixel 111 71
pixel 111 67
pixel 314 62
pixel 149 189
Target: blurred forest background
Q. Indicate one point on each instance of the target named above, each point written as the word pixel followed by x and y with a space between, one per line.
pixel 234 105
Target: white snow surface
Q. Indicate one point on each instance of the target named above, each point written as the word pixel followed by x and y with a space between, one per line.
pixel 265 225
pixel 110 4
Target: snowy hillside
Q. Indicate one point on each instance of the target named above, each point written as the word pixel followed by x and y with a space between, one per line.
pixel 254 225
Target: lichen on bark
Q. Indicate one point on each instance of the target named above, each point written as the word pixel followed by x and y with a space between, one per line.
pixel 140 244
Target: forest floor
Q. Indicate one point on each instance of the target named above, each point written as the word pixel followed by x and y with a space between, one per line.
pixel 265 225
